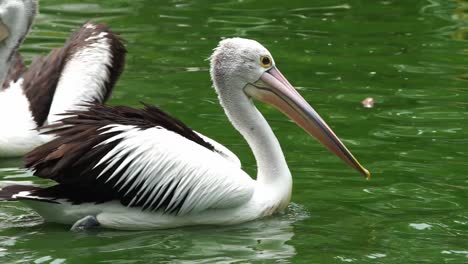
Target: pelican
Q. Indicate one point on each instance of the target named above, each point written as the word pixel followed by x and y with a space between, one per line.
pixel 84 70
pixel 133 169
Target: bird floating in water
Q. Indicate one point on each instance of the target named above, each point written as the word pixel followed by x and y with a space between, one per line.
pixel 83 71
pixel 133 169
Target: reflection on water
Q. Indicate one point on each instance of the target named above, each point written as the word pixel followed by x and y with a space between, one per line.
pixel 261 240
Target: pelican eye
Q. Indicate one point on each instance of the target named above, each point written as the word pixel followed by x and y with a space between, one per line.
pixel 265 61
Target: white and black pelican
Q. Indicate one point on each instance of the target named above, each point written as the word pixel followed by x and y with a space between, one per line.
pixel 84 70
pixel 124 168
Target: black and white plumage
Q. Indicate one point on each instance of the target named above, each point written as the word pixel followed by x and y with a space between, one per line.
pixel 108 153
pixel 125 168
pixel 83 71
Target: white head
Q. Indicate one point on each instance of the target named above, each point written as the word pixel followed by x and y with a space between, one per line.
pixel 16 17
pixel 239 60
pixel 242 69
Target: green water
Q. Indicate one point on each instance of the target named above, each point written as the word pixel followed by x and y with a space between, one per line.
pixel 410 56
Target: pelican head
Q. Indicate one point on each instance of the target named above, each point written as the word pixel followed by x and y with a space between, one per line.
pixel 244 68
pixel 16 17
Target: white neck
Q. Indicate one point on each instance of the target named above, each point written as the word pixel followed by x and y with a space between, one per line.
pixel 18 17
pixel 271 164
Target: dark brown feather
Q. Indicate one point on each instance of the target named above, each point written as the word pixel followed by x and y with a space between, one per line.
pixel 17 68
pixel 7 192
pixel 40 82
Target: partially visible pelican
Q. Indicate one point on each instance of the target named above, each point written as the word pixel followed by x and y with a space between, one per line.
pixel 84 70
pixel 124 168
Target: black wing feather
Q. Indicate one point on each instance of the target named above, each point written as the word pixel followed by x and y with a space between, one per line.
pixel 17 68
pixel 7 193
pixel 70 158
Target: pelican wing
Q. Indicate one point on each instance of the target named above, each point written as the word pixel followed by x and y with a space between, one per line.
pixel 221 150
pixel 58 71
pixel 143 158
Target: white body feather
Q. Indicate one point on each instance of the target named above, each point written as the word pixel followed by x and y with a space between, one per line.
pixel 219 192
pixel 163 158
pixel 18 133
pixel 222 150
pixel 116 216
